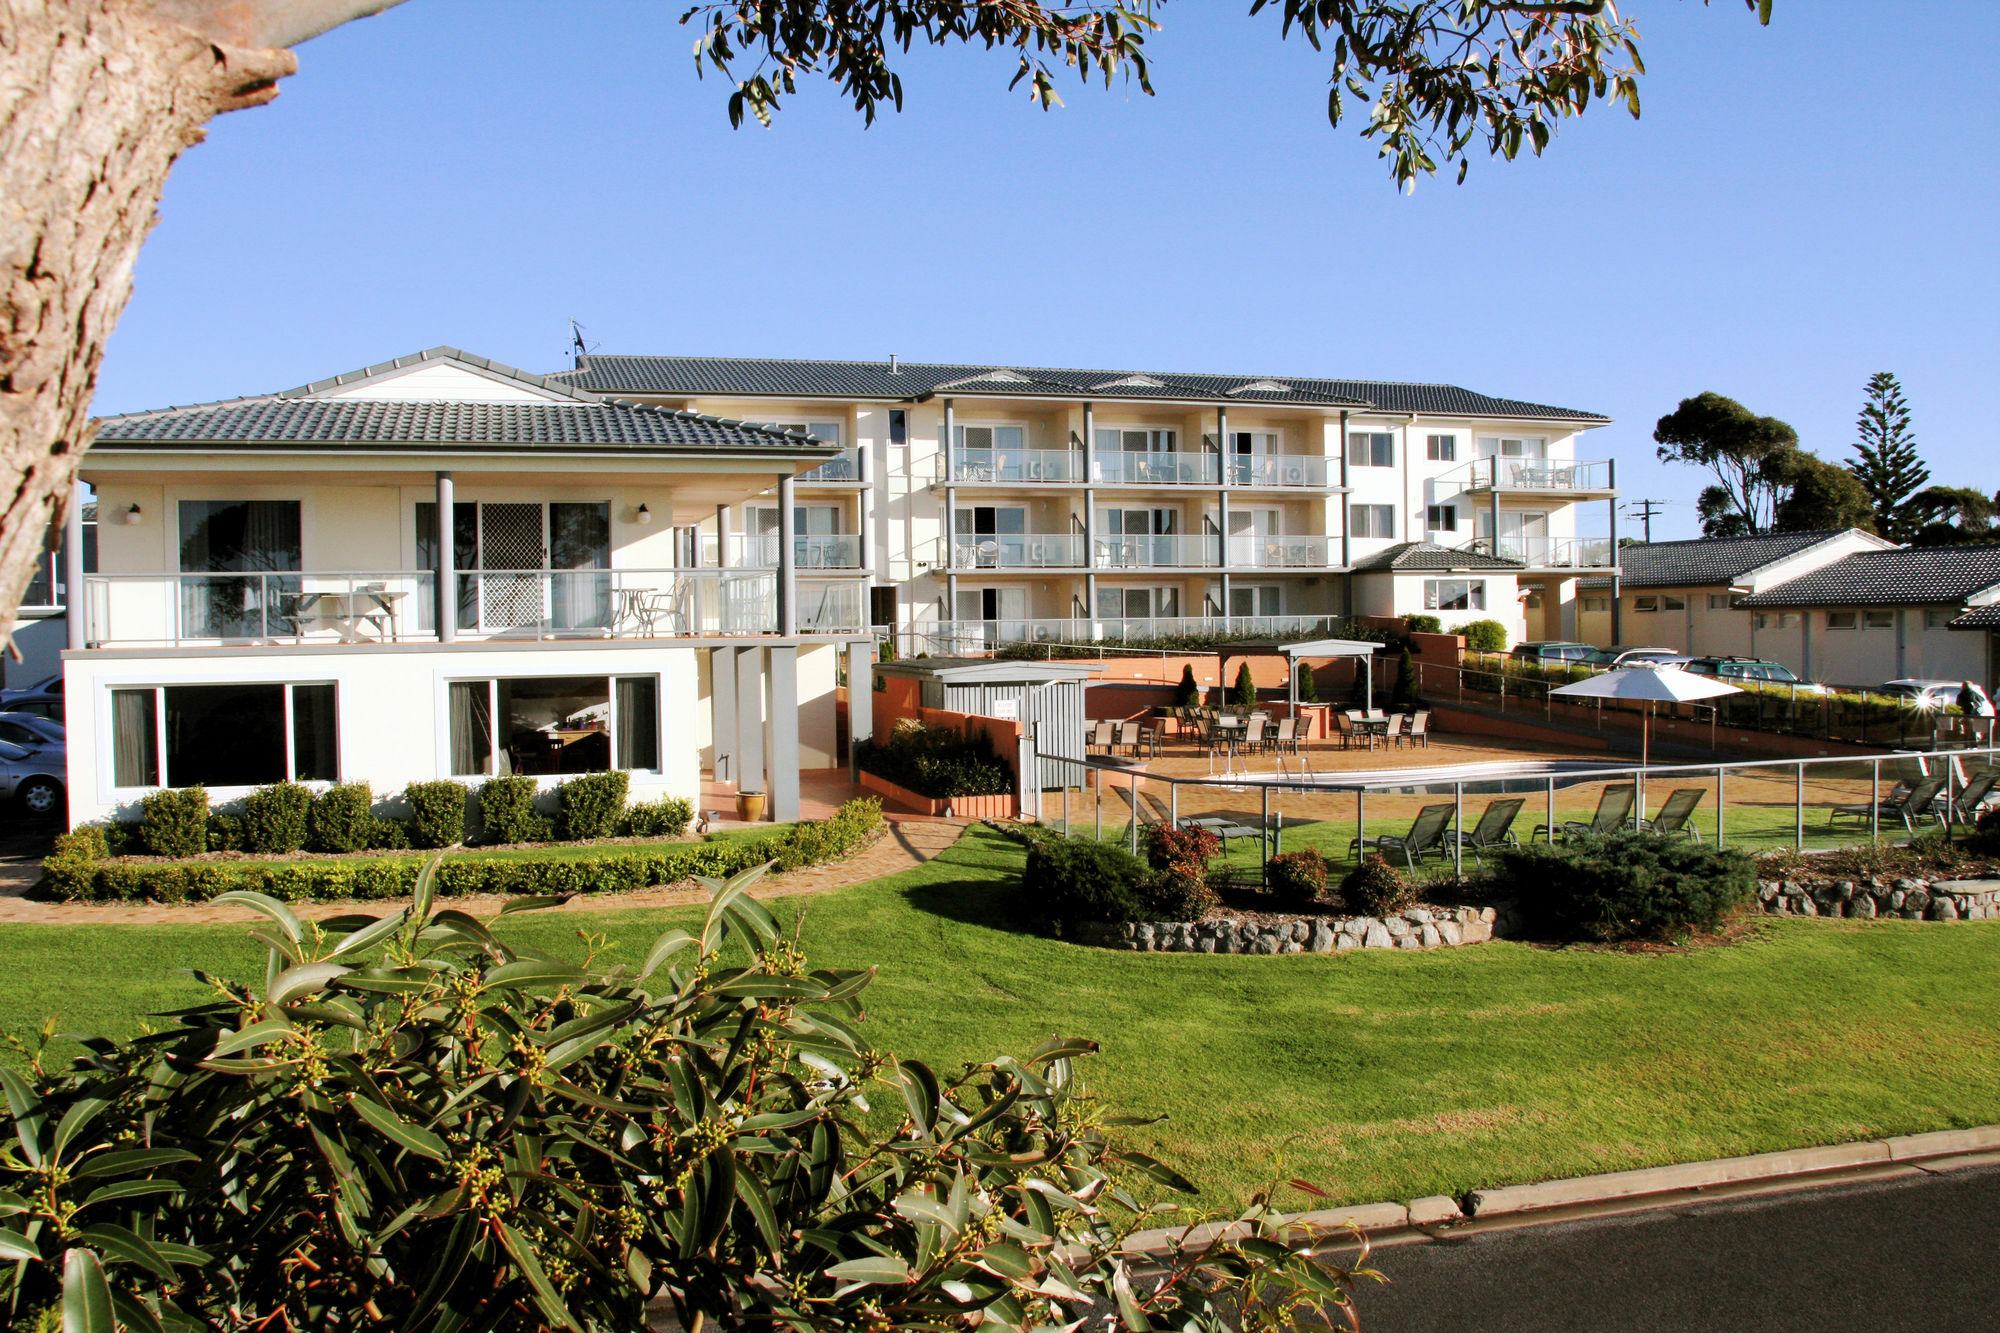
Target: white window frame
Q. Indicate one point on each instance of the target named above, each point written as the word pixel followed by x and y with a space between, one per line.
pixel 1647 605
pixel 806 424
pixel 1495 446
pixel 1938 617
pixel 110 791
pixel 1153 438
pixel 1878 620
pixel 1673 602
pixel 1597 604
pixel 1353 531
pixel 1843 620
pixel 544 781
pixel 1448 512
pixel 1441 448
pixel 1374 439
pixel 1435 590
pixel 1721 601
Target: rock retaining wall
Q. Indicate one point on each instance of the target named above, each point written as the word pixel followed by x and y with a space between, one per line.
pixel 1417 928
pixel 1911 899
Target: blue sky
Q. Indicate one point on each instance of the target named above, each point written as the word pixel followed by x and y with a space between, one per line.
pixel 1793 212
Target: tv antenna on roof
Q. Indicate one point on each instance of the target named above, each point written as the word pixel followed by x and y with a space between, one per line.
pixel 577 346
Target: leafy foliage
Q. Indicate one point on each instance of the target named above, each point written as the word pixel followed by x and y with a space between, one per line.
pixel 1187 694
pixel 1483 636
pixel 343 819
pixel 1818 496
pixel 225 833
pixel 1178 887
pixel 589 806
pixel 1421 624
pixel 437 813
pixel 1629 885
pixel 1308 684
pixel 1377 888
pixel 408 1123
pixel 274 819
pixel 938 762
pixel 174 821
pixel 1244 695
pixel 1297 877
pixel 1067 881
pixel 1764 481
pixel 507 811
pixel 1404 695
pixel 1885 458
pixel 668 818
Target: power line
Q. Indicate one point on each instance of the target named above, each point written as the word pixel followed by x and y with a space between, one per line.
pixel 1645 511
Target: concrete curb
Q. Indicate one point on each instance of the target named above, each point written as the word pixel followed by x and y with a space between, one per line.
pixel 1801 1167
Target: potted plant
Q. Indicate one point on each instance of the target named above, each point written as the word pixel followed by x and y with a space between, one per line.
pixel 750 806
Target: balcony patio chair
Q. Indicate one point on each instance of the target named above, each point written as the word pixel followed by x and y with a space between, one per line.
pixel 1343 727
pixel 1675 816
pixel 1909 806
pixel 1419 732
pixel 1425 838
pixel 1614 807
pixel 1494 829
pixel 1392 734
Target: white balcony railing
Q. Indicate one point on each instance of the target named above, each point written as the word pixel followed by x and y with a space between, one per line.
pixel 1017 551
pixel 1311 470
pixel 1253 552
pixel 811 551
pixel 1156 469
pixel 1540 475
pixel 950 636
pixel 172 610
pixel 1200 551
pixel 844 466
pixel 1024 465
pixel 1548 552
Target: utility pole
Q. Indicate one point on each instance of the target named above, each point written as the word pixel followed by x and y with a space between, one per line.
pixel 1646 509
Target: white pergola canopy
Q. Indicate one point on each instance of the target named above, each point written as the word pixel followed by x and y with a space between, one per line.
pixel 1360 648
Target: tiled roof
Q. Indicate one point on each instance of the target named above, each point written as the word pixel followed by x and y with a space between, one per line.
pixel 1907 576
pixel 1705 561
pixel 1424 556
pixel 1979 617
pixel 546 384
pixel 347 422
pixel 695 376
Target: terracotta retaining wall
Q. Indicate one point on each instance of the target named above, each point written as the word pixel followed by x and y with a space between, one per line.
pixel 960 807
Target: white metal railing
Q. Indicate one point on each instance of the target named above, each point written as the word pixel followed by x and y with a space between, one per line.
pixel 45 589
pixel 173 610
pixel 810 551
pixel 1283 470
pixel 1247 551
pixel 1536 474
pixel 1028 465
pixel 958 635
pixel 1115 467
pixel 1548 552
pixel 1031 550
pixel 1166 551
pixel 844 466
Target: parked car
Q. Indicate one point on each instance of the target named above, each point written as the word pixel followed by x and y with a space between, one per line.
pixel 1612 658
pixel 49 706
pixel 33 778
pixel 1932 696
pixel 1551 652
pixel 1751 670
pixel 48 685
pixel 32 730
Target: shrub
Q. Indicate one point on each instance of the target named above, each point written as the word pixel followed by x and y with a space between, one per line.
pixel 225 833
pixel 762 1148
pixel 1170 846
pixel 437 813
pixel 1245 693
pixel 1424 624
pixel 1629 885
pixel 1308 685
pixel 1297 877
pixel 275 819
pixel 86 843
pixel 1068 882
pixel 1187 694
pixel 1404 695
pixel 174 821
pixel 388 835
pixel 659 819
pixel 937 762
pixel 342 818
pixel 1377 888
pixel 1178 888
pixel 507 811
pixel 588 806
pixel 1483 636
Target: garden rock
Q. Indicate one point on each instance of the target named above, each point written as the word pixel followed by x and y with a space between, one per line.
pixel 1943 909
pixel 1322 938
pixel 1427 936
pixel 1377 937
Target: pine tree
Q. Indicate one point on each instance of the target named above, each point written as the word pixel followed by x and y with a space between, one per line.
pixel 1886 462
pixel 1308 685
pixel 1246 689
pixel 1187 694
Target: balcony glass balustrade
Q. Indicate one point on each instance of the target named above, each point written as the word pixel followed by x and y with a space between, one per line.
pixel 1156 469
pixel 1548 552
pixel 810 551
pixel 952 636
pixel 845 466
pixel 1538 475
pixel 1022 465
pixel 1016 550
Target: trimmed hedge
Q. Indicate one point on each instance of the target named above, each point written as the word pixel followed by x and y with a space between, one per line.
pixel 1629 885
pixel 507 811
pixel 659 819
pixel 75 872
pixel 936 762
pixel 274 819
pixel 438 813
pixel 174 821
pixel 589 806
pixel 343 818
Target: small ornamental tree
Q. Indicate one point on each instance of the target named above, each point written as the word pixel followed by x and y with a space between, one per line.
pixel 1308 684
pixel 1405 695
pixel 1187 694
pixel 1246 689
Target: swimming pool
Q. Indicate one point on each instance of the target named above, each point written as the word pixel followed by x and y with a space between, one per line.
pixel 1494 779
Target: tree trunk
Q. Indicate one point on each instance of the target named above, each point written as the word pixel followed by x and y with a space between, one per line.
pixel 97 99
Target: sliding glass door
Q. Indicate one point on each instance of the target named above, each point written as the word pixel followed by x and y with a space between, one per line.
pixel 526 565
pixel 243 546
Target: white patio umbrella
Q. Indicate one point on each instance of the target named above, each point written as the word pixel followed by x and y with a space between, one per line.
pixel 1646 685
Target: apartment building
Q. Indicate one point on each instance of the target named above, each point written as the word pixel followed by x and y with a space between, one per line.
pixel 986 504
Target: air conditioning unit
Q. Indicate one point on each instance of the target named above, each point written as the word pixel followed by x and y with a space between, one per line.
pixel 1295 474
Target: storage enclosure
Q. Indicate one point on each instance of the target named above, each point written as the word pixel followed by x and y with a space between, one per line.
pixel 1046 698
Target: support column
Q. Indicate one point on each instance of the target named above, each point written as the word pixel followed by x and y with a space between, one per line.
pixel 860 701
pixel 722 536
pixel 76 607
pixel 1346 549
pixel 722 727
pixel 784 761
pixel 1090 511
pixel 866 500
pixel 447 558
pixel 1223 461
pixel 750 775
pixel 1617 591
pixel 948 550
pixel 788 574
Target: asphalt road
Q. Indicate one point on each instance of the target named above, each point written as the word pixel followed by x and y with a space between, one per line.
pixel 1918 1253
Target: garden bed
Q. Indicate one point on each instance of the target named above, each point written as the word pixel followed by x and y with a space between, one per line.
pixel 1414 928
pixel 964 807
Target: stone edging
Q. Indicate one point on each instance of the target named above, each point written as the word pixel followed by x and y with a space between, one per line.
pixel 1911 899
pixel 1415 928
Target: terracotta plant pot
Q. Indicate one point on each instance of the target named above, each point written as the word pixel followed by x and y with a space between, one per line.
pixel 750 806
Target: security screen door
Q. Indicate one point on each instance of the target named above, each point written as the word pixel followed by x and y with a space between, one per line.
pixel 510 538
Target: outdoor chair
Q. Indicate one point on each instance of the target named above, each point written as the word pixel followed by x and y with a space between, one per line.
pixel 1288 735
pixel 1101 736
pixel 1674 819
pixel 1393 733
pixel 1975 795
pixel 1425 838
pixel 1127 733
pixel 1909 806
pixel 1494 829
pixel 1420 729
pixel 1614 807
pixel 1222 826
pixel 1343 727
pixel 1253 735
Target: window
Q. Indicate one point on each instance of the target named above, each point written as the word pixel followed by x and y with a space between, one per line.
pixel 1371 449
pixel 1597 603
pixel 1259 599
pixel 1938 617
pixel 1490 445
pixel 1454 594
pixel 1878 620
pixel 243 543
pixel 882 606
pixel 1137 603
pixel 828 431
pixel 899 426
pixel 1114 440
pixel 1645 605
pixel 223 735
pixel 1371 520
pixel 1441 448
pixel 1775 620
pixel 991 437
pixel 1720 601
pixel 523 539
pixel 1669 602
pixel 1840 620
pixel 1443 518
pixel 557 724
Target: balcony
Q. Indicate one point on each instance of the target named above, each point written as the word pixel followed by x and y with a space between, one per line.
pixel 1536 476
pixel 810 551
pixel 1162 469
pixel 1159 552
pixel 1249 552
pixel 1312 471
pixel 956 636
pixel 1016 465
pixel 1594 553
pixel 842 467
pixel 205 610
pixel 1017 550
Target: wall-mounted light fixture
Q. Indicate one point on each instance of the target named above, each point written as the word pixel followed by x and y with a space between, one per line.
pixel 642 516
pixel 133 515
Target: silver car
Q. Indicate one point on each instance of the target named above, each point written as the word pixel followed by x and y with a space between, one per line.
pixel 1931 696
pixel 32 730
pixel 34 777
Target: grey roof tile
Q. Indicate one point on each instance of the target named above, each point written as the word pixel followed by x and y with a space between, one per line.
pixel 1705 561
pixel 1906 576
pixel 1979 617
pixel 696 376
pixel 1412 556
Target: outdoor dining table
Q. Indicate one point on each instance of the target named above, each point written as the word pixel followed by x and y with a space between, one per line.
pixel 347 612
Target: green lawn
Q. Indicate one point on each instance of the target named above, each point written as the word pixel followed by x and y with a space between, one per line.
pixel 1376 1074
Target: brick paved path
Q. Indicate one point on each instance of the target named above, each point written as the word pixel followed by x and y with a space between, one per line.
pixel 903 844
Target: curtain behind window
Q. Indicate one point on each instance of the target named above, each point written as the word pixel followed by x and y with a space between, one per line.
pixel 244 537
pixel 464 556
pixel 471 727
pixel 134 739
pixel 580 539
pixel 638 722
